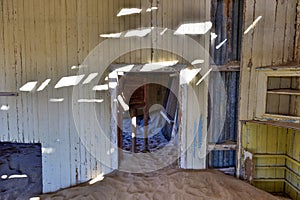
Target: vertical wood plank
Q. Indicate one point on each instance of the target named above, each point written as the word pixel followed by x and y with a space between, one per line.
pixel 279 32
pixel 59 94
pixel 272 144
pixel 9 65
pixel 262 139
pixel 27 108
pixel 18 63
pixel 269 23
pixel 289 30
pixel 35 50
pixel 3 118
pixel 4 115
pixel 249 7
pixel 24 72
pixel 257 55
pixel 49 138
pixel 64 109
pixel 46 136
pixel 72 59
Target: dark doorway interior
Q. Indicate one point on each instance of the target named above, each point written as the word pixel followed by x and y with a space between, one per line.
pixel 150 122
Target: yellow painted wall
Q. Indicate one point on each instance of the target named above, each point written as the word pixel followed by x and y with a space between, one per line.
pixel 293 150
pixel 276 157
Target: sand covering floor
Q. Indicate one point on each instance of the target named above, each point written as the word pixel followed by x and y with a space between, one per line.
pixel 165 184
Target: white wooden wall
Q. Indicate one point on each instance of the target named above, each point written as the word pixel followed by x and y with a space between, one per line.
pixel 271 42
pixel 44 39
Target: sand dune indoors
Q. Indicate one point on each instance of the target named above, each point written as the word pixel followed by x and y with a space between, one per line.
pixel 165 184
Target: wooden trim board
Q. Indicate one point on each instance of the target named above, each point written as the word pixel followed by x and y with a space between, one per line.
pixel 8 94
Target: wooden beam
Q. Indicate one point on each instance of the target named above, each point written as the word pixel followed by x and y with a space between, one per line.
pixel 222 147
pixel 269 179
pixel 295 162
pixel 8 94
pixel 229 67
pixel 286 66
pixel 289 125
pixel 285 92
pixel 137 68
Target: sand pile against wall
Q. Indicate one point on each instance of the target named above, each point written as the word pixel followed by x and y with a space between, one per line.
pixel 165 184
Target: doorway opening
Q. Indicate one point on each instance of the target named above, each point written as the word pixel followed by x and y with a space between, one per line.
pixel 147 111
pixel 151 118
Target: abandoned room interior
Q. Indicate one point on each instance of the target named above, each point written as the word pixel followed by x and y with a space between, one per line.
pixel 150 99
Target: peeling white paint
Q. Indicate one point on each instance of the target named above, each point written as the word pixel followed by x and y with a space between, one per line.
pixel 247 154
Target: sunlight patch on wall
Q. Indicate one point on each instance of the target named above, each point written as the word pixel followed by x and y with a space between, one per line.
pixel 100 87
pixel 253 24
pixel 90 100
pixel 126 68
pixel 213 36
pixel 48 150
pixel 111 35
pixel 113 85
pixel 5 107
pixel 187 75
pixel 43 85
pixel 111 151
pixel 164 31
pixel 204 76
pixel 221 44
pixel 151 9
pixel 69 81
pixel 129 11
pixel 29 86
pixel 56 100
pixel 138 32
pixel 122 103
pixel 193 28
pixel 197 61
pixel 158 65
pixel 90 78
pixel 79 67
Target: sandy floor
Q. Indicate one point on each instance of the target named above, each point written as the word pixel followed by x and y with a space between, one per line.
pixel 165 184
